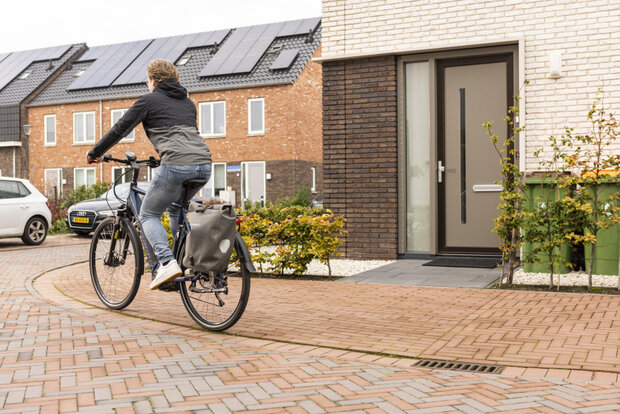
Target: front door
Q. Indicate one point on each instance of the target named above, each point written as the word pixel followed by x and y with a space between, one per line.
pixel 253 182
pixel 470 92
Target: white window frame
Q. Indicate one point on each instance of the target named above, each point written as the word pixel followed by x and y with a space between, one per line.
pixel 212 180
pixel 211 134
pixel 313 189
pixel 84 171
pixel 86 141
pixel 59 170
pixel 126 178
pixel 45 143
pixel 250 132
pixel 131 137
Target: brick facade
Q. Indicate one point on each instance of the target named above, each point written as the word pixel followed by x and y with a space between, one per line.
pixel 6 161
pixel 586 33
pixel 360 153
pixel 292 134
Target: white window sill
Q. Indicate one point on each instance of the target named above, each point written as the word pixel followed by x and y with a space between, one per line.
pixel 49 145
pixel 256 134
pixel 81 144
pixel 213 136
pixel 129 141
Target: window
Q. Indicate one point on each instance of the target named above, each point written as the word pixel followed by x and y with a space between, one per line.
pixel 150 173
pixel 84 128
pixel 13 189
pixel 213 119
pixel 256 116
pixel 83 176
pixel 50 129
pixel 116 115
pixel 313 189
pixel 217 181
pixel 53 183
pixel 122 174
pixel 184 60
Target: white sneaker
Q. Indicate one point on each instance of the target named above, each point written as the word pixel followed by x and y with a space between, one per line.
pixel 166 273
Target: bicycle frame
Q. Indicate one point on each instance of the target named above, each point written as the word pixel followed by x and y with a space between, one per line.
pixel 131 211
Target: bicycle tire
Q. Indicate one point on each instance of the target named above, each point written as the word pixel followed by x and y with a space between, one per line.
pixel 238 292
pixel 116 285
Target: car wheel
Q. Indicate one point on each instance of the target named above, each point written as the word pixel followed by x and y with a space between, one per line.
pixel 81 232
pixel 35 231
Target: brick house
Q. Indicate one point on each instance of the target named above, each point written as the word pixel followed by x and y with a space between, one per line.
pixel 406 88
pixel 256 89
pixel 23 74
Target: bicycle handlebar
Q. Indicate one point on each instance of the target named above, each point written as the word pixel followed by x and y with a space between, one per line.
pixel 131 159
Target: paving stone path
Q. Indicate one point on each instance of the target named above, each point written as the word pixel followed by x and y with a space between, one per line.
pixel 59 355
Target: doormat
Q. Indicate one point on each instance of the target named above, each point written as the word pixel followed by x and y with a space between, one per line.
pixel 475 262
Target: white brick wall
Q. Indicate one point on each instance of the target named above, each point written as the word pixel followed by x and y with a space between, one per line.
pixel 587 33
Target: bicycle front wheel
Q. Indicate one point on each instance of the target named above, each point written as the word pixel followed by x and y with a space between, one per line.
pixel 216 301
pixel 116 262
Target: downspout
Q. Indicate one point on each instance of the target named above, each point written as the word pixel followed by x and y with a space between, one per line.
pixel 13 162
pixel 100 136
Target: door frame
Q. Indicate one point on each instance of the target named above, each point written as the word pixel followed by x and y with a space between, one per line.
pixel 244 181
pixel 433 56
pixel 441 66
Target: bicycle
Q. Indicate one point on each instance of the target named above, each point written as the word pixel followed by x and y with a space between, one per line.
pixel 116 260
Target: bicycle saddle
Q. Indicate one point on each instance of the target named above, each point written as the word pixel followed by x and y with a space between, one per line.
pixel 191 186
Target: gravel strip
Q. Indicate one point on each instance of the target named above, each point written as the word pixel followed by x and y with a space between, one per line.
pixel 568 279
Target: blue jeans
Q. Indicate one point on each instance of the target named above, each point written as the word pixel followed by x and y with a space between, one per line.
pixel 166 188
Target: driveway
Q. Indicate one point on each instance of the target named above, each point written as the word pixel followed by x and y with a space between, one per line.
pixel 301 347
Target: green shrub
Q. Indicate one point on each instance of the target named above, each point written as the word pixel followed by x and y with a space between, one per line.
pixel 300 198
pixel 59 227
pixel 289 238
pixel 83 193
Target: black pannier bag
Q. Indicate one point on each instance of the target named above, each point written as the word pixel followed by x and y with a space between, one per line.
pixel 210 242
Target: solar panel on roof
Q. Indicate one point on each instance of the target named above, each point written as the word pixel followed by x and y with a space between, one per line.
pixel 110 62
pixel 14 63
pixel 247 45
pixel 169 48
pixel 285 59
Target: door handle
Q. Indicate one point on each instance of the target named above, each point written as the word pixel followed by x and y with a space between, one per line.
pixel 24 207
pixel 440 169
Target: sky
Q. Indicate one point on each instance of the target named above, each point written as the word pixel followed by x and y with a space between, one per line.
pixel 31 24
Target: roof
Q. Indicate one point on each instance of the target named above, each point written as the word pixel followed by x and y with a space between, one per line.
pixel 252 56
pixel 21 73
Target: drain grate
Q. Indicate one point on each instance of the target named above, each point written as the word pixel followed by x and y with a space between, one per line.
pixel 460 366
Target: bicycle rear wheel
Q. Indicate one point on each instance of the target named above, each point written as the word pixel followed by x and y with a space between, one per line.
pixel 116 273
pixel 217 301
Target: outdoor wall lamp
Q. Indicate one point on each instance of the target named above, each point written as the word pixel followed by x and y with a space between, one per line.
pixel 27 129
pixel 555 65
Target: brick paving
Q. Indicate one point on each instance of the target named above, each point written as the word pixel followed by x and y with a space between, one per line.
pixel 59 355
pixel 527 329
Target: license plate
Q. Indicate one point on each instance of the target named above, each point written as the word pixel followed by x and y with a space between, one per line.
pixel 80 220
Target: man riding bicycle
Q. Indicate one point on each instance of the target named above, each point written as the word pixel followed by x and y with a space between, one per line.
pixel 169 119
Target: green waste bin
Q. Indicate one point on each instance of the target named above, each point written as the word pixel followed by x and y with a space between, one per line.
pixel 607 240
pixel 536 195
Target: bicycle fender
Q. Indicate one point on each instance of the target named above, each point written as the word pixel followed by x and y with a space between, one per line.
pixel 247 258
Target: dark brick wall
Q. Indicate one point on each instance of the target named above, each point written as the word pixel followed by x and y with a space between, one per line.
pixel 6 162
pixel 290 176
pixel 286 178
pixel 360 153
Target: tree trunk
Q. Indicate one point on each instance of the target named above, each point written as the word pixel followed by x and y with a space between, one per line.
pixel 591 265
pixel 550 273
pixel 513 256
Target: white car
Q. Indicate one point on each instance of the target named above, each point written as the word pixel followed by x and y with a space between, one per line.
pixel 23 212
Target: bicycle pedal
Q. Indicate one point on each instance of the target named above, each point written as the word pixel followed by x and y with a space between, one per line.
pixel 169 287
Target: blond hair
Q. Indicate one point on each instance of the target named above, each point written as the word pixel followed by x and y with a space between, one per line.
pixel 160 69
